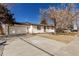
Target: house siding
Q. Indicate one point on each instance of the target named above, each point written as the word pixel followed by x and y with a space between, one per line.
pixel 50 30
pixel 35 30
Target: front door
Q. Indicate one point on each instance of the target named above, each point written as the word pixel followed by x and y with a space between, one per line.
pixel 44 28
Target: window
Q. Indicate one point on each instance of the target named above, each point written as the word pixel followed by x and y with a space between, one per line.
pixel 38 27
pixel 47 27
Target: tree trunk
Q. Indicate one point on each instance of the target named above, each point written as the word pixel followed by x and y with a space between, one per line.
pixel 1 30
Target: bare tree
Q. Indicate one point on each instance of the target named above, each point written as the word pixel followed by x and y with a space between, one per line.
pixel 63 17
pixel 43 17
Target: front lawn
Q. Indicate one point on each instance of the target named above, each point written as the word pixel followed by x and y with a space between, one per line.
pixel 62 37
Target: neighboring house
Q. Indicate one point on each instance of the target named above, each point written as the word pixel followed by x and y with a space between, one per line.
pixel 24 28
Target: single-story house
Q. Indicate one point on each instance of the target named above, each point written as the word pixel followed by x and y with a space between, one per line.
pixel 24 28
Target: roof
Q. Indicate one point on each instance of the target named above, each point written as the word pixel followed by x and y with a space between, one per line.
pixel 42 25
pixel 20 23
pixel 27 23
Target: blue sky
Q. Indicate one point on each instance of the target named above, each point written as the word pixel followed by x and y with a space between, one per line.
pixel 29 12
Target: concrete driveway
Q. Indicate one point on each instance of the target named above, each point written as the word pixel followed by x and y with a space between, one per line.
pixel 48 45
pixel 17 47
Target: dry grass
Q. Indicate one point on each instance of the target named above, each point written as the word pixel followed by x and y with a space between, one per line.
pixel 66 37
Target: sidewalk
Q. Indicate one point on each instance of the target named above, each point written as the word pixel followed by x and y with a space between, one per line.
pixel 72 49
